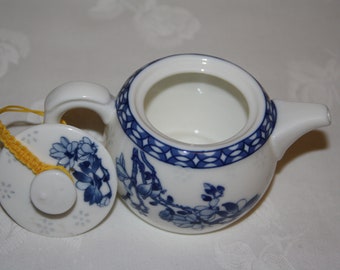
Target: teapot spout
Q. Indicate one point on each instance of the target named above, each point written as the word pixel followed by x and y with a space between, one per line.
pixel 295 119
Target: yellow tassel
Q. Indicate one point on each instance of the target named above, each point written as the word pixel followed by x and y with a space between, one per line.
pixel 21 152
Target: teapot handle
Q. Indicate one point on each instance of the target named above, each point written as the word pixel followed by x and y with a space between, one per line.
pixel 74 95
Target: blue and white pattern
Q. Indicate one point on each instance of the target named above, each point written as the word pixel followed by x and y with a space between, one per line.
pixel 80 157
pixel 144 190
pixel 192 159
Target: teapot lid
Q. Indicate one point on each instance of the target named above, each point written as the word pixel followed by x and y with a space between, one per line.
pixel 55 203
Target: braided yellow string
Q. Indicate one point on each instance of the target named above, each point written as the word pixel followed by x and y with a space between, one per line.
pixel 21 152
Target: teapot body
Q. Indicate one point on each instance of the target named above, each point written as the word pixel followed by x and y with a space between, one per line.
pixel 177 166
pixel 188 200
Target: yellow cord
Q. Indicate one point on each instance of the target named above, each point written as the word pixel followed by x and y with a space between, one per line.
pixel 14 108
pixel 21 152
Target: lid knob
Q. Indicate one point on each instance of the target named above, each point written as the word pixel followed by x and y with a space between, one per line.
pixel 52 192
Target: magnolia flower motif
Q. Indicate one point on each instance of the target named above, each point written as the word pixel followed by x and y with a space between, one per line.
pixel 65 152
pixel 80 157
pixel 13 46
pixel 87 149
pixel 144 189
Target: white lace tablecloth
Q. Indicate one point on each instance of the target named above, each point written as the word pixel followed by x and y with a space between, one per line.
pixel 292 47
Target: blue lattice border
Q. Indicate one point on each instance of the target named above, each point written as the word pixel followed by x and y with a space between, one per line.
pixel 192 159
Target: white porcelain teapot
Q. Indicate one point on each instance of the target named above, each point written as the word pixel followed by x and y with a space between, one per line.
pixel 194 138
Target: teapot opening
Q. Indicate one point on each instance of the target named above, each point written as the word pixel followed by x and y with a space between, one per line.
pixel 196 108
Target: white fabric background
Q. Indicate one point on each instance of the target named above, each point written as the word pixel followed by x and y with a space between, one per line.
pixel 292 47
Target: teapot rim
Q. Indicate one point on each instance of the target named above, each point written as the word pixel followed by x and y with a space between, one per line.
pixel 259 125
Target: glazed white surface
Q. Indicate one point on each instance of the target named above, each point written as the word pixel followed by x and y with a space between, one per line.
pixel 184 111
pixel 291 47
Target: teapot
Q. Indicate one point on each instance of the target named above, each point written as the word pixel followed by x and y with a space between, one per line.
pixel 194 138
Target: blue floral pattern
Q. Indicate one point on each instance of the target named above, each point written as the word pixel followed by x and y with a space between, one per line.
pixel 143 185
pixel 80 157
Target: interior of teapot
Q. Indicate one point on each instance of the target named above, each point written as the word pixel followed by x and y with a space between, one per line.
pixel 196 108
